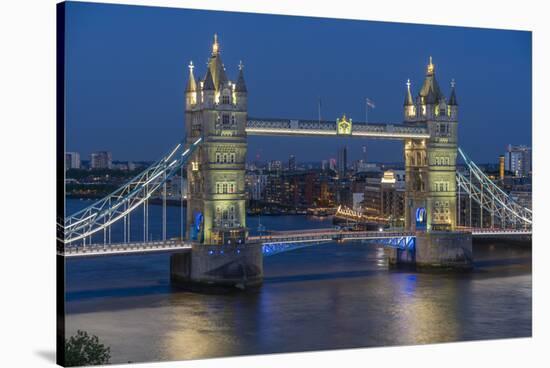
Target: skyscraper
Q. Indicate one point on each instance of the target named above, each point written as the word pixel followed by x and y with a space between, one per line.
pixel 292 163
pixel 342 161
pixel 517 160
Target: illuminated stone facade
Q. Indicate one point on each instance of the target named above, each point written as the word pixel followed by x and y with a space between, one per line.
pixel 430 164
pixel 216 109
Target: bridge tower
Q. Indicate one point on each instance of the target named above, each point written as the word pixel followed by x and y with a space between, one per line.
pixel 430 170
pixel 216 110
pixel 431 164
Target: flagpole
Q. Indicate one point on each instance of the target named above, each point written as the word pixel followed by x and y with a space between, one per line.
pixel 366 110
pixel 319 110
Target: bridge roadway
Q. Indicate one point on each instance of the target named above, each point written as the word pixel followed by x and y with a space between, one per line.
pixel 395 238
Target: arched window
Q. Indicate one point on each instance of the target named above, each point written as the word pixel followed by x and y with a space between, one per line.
pixel 218 157
pixel 224 188
pixel 231 188
pixel 218 188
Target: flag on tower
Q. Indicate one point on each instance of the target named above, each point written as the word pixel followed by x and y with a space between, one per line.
pixel 370 103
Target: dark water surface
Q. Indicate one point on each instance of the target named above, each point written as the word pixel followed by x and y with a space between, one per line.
pixel 324 297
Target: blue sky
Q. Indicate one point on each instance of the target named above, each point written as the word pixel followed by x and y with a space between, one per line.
pixel 127 68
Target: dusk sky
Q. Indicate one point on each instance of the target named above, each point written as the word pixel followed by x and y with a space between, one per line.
pixel 127 70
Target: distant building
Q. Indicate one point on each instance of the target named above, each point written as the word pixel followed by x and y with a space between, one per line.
pixel 101 160
pixel 358 198
pixel 176 188
pixel 332 164
pixel 255 186
pixel 292 163
pixel 517 160
pixel 274 165
pixel 342 161
pixel 392 196
pixel 362 166
pixel 72 160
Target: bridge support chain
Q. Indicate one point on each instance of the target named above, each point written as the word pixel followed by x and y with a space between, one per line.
pixel 218 267
pixel 436 250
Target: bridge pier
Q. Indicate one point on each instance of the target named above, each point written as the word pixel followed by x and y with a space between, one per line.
pixel 218 267
pixel 436 250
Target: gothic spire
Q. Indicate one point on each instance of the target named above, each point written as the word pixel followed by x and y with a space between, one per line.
pixel 215 65
pixel 408 95
pixel 430 88
pixel 209 82
pixel 241 85
pixel 215 45
pixel 191 84
pixel 452 99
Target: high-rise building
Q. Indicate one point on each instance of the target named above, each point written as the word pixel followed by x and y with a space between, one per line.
pixel 342 161
pixel 292 163
pixel 101 160
pixel 324 165
pixel 517 160
pixel 255 186
pixel 72 160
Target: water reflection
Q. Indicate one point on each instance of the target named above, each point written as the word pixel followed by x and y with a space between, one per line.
pixel 325 297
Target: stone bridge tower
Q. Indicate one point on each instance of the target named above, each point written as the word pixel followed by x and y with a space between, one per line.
pixel 430 165
pixel 216 109
pixel 221 256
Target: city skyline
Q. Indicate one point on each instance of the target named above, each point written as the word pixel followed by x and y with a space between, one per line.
pixel 123 79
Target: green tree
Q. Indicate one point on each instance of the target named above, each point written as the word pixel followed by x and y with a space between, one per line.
pixel 83 349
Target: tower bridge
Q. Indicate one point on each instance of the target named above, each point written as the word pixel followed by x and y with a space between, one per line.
pixel 218 249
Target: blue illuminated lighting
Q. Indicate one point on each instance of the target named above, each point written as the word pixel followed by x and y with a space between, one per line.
pixel 198 220
pixel 421 215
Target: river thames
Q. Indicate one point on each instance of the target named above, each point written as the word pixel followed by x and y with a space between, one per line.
pixel 329 296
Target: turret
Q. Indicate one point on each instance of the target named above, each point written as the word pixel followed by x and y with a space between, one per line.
pixel 408 105
pixel 452 108
pixel 208 89
pixel 240 91
pixel 191 89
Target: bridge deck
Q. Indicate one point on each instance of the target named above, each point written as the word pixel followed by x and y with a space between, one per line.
pixel 125 248
pixel 397 238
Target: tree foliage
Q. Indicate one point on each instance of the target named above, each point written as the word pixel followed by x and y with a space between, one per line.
pixel 83 349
